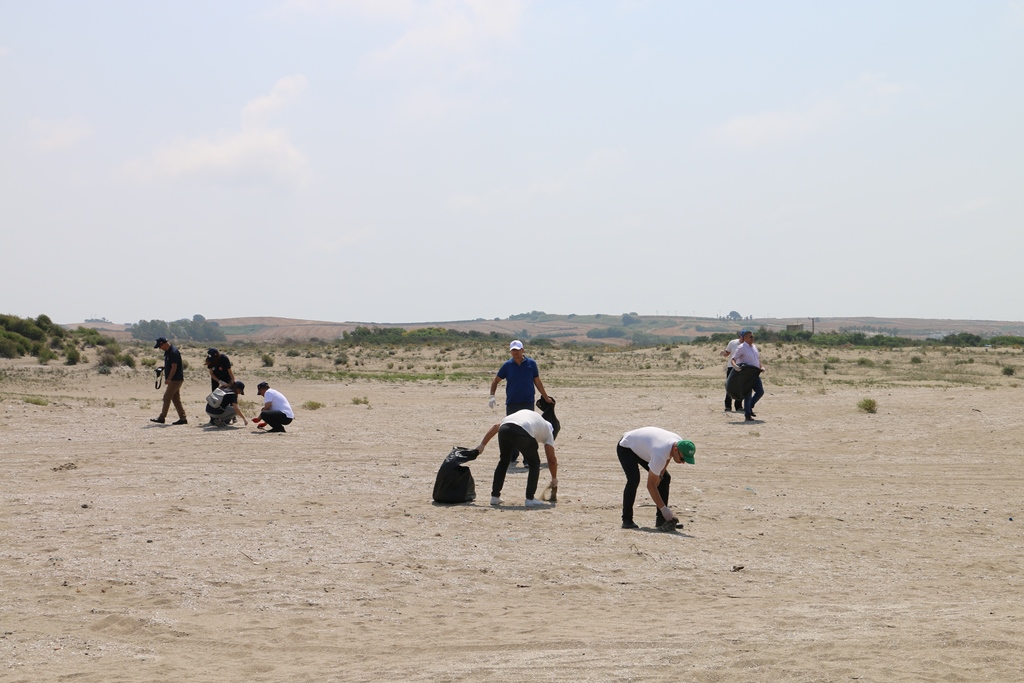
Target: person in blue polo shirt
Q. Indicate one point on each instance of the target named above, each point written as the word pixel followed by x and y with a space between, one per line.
pixel 521 376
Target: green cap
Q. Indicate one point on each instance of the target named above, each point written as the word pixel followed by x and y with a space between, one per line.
pixel 686 449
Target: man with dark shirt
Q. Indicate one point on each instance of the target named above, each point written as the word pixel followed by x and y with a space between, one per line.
pixel 174 377
pixel 219 366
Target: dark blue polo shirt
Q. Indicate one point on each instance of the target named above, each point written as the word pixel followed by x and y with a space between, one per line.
pixel 519 380
pixel 172 356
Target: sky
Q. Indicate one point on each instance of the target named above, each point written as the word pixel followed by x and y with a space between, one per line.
pixel 439 160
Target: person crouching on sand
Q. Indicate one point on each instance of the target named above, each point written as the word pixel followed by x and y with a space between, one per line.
pixel 523 431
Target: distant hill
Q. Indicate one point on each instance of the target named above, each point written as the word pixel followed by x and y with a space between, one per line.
pixel 566 328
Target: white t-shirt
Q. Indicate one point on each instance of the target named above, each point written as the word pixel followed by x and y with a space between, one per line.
pixel 534 425
pixel 277 401
pixel 652 444
pixel 731 348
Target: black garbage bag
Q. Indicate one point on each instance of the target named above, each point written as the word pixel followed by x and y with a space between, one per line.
pixel 740 382
pixel 547 411
pixel 454 482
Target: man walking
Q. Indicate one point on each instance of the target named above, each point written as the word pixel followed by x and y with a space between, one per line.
pixel 277 411
pixel 521 376
pixel 747 359
pixel 730 349
pixel 174 377
pixel 651 448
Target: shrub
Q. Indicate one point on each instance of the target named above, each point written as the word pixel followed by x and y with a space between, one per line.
pixel 313 405
pixel 1008 370
pixel 128 360
pixel 866 362
pixel 45 355
pixel 341 359
pixel 72 354
pixel 148 362
pixel 360 401
pixel 916 360
pixel 868 405
pixel 268 360
pixel 108 359
pixel 37 400
pixel 292 353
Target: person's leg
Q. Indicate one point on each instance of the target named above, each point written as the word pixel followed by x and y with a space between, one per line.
pixel 631 466
pixel 728 398
pixel 515 408
pixel 528 447
pixel 168 392
pixel 176 399
pixel 758 392
pixel 505 446
pixel 276 419
pixel 663 486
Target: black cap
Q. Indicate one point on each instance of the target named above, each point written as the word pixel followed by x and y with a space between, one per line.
pixel 212 352
pixel 240 386
pixel 262 385
pixel 159 341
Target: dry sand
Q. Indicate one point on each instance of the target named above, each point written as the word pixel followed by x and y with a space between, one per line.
pixel 821 543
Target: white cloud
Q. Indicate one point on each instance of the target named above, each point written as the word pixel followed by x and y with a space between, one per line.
pixel 57 135
pixel 255 152
pixel 867 96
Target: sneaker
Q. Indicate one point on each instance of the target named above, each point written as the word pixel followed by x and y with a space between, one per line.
pixel 630 525
pixel 513 465
pixel 158 420
pixel 748 418
pixel 533 502
pixel 495 500
pixel 182 421
pixel 277 429
pixel 728 410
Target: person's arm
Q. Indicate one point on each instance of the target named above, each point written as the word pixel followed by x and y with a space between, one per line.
pixel 171 371
pixel 238 411
pixel 488 436
pixel 549 455
pixel 540 387
pixel 491 401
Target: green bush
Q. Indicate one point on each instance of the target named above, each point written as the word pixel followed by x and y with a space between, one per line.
pixel 292 353
pixel 1008 370
pixel 313 405
pixel 866 362
pixel 916 360
pixel 868 405
pixel 341 359
pixel 45 355
pixel 72 355
pixel 268 360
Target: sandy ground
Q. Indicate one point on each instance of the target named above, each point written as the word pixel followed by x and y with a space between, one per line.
pixel 821 543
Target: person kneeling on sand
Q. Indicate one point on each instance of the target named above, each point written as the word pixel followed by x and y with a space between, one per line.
pixel 277 412
pixel 653 449
pixel 523 431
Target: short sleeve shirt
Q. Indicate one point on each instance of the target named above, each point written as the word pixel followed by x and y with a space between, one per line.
pixel 220 368
pixel 534 425
pixel 653 445
pixel 173 357
pixel 277 401
pixel 519 380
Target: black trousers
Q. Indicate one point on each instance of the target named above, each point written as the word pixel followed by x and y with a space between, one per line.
pixel 276 419
pixel 631 464
pixel 514 438
pixel 515 408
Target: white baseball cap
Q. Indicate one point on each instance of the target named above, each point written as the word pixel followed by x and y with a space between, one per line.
pixel 515 345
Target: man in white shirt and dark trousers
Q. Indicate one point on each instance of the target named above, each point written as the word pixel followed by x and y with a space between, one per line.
pixel 277 412
pixel 651 448
pixel 748 359
pixel 522 431
pixel 730 349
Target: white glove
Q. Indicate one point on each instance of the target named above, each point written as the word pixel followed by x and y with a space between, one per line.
pixel 667 513
pixel 491 402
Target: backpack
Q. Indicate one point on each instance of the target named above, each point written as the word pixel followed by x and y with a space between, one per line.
pixel 454 482
pixel 215 398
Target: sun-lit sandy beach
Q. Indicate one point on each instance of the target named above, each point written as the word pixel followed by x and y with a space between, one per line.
pixel 821 543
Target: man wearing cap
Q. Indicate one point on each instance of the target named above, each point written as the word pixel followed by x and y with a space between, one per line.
pixel 523 431
pixel 521 376
pixel 219 367
pixel 277 411
pixel 748 359
pixel 651 448
pixel 730 349
pixel 174 377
